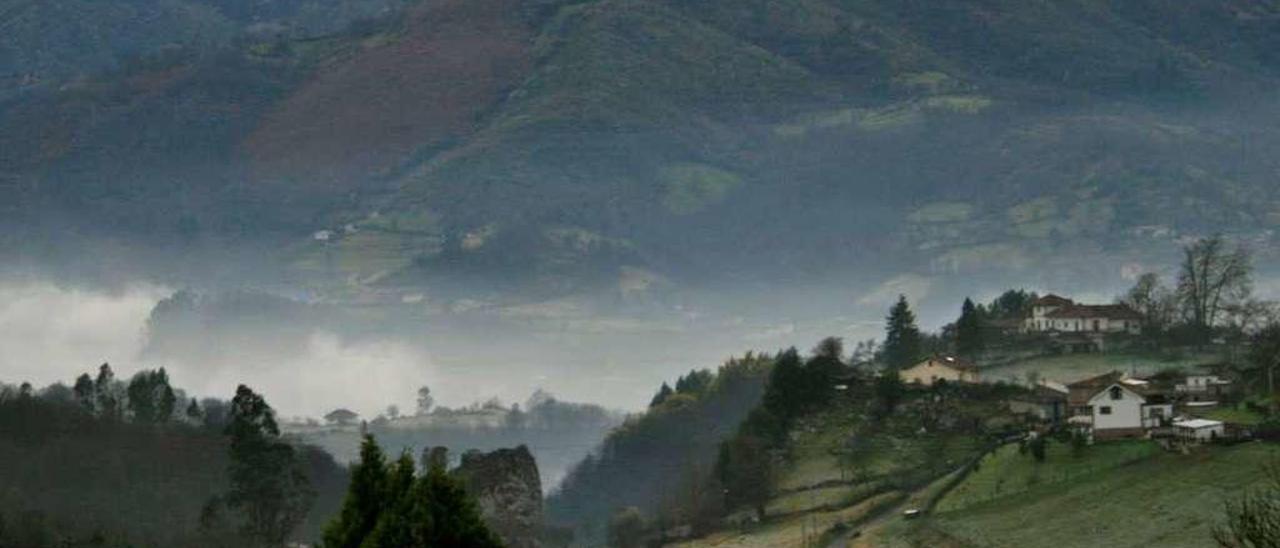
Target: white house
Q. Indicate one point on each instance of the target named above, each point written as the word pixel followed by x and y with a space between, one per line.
pixel 1111 406
pixel 1199 430
pixel 1201 387
pixel 1052 313
pixel 934 369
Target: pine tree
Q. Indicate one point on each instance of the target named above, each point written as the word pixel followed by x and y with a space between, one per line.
pixel 364 501
pixel 902 337
pixel 663 393
pixel 969 340
pixel 390 507
pixel 193 411
pixel 783 396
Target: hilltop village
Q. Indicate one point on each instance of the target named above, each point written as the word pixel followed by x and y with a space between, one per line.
pixel 1027 409
pixel 1169 405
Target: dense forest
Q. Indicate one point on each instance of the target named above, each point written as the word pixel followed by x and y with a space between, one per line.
pixel 657 460
pixel 132 463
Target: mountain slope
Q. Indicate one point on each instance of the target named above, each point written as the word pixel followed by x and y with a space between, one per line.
pixel 695 137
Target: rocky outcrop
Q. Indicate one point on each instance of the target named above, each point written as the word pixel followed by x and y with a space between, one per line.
pixel 508 488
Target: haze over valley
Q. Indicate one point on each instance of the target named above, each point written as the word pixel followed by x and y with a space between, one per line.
pixel 635 272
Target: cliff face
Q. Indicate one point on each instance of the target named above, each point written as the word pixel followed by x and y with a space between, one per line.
pixel 509 490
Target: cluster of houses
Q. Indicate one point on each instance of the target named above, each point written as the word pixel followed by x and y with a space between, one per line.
pixel 1110 406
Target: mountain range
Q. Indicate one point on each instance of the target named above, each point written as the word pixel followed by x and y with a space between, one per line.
pixel 543 148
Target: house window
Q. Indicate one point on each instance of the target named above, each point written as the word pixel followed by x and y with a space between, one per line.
pixel 1097 325
pixel 1105 410
pixel 1116 393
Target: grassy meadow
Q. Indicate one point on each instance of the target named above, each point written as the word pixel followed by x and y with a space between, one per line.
pixel 1165 499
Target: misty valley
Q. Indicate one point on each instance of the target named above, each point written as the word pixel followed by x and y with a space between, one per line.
pixel 639 273
pixel 1020 406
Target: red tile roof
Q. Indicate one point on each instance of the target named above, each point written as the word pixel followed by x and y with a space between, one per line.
pixel 1052 300
pixel 1108 311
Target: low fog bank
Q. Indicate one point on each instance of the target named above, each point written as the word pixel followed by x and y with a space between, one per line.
pixel 310 357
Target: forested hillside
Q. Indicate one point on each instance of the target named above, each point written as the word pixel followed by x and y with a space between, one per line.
pixel 561 146
pixel 659 461
pixel 87 467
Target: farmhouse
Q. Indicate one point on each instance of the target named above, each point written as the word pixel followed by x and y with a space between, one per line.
pixel 1055 314
pixel 947 368
pixel 1113 406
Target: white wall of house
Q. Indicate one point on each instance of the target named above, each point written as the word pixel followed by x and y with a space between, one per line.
pixel 1156 415
pixel 1089 325
pixel 1200 383
pixel 1117 407
pixel 930 371
pixel 1039 322
pixel 1201 430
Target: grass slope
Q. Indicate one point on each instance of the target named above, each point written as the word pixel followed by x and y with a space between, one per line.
pixel 1166 500
pixel 823 488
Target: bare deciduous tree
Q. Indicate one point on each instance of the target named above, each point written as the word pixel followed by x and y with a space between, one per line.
pixel 1154 300
pixel 1212 278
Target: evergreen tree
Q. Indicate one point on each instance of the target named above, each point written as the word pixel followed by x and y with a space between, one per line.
pixel 783 396
pixel 695 383
pixel 746 471
pixel 151 399
pixel 969 340
pixel 392 526
pixel 363 502
pixel 84 392
pixel 390 507
pixel 443 514
pixel 1012 304
pixel 902 337
pixel 663 393
pixel 193 411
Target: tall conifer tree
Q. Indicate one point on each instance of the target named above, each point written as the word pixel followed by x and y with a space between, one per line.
pixel 902 337
pixel 969 341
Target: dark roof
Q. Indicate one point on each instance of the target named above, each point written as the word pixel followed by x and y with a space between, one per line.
pixel 1108 311
pixel 1052 300
pixel 1041 394
pixel 1105 379
pixel 1081 391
